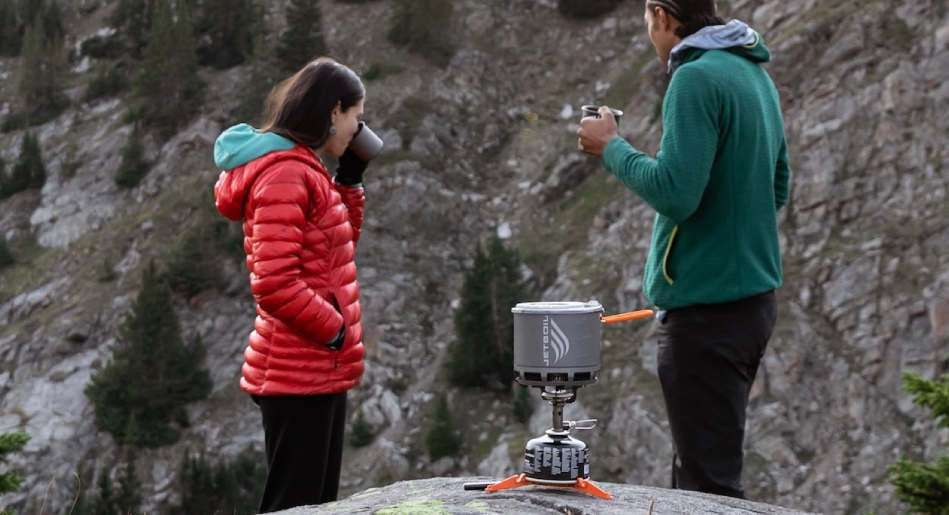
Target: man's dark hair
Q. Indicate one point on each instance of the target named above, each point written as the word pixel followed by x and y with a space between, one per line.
pixel 300 108
pixel 694 15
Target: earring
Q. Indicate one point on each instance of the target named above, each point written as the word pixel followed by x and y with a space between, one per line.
pixel 333 130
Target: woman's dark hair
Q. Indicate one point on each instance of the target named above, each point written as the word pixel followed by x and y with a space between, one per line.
pixel 300 108
pixel 694 15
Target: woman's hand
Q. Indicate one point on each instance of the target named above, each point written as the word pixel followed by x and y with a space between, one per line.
pixel 350 169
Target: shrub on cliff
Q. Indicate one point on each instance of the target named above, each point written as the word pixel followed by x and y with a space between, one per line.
pixel 925 487
pixel 10 481
pixel 361 434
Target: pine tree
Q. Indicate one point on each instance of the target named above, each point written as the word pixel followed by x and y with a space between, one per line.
pixel 133 167
pixel 303 40
pixel 104 503
pixel 400 22
pixel 468 363
pixel 128 498
pixel 229 487
pixel 226 488
pixel 484 325
pixel 18 180
pixel 523 409
pixel 53 22
pixel 250 474
pixel 4 178
pixel 11 443
pixel 29 10
pixel 192 265
pixel 586 8
pixel 196 481
pixel 227 29
pixel 432 29
pixel 10 38
pixel 168 88
pixel 6 258
pixel 30 162
pixel 28 172
pixel 924 487
pixel 153 373
pixel 81 499
pixel 42 68
pixel 442 438
pixel 110 79
pixel 263 76
pixel 425 27
pixel 508 290
pixel 133 20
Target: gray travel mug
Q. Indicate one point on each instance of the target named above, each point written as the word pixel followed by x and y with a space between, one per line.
pixel 365 144
pixel 592 110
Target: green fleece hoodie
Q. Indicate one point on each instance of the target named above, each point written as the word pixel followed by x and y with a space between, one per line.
pixel 717 182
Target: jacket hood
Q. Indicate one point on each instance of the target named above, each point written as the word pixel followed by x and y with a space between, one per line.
pixel 244 154
pixel 735 36
pixel 242 144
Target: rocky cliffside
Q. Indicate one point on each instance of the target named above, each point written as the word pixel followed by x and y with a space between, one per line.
pixel 486 145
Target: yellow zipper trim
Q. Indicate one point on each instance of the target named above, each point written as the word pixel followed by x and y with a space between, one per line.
pixel 665 258
pixel 757 40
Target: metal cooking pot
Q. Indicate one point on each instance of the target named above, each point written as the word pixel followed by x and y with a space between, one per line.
pixel 558 343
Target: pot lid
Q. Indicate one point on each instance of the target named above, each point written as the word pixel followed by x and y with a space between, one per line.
pixel 551 308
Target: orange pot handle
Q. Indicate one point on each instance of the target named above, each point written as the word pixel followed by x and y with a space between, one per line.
pixel 622 317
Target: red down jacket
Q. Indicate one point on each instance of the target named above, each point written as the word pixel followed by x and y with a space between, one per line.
pixel 300 234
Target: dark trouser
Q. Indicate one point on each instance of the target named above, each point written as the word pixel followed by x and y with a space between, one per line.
pixel 708 358
pixel 303 435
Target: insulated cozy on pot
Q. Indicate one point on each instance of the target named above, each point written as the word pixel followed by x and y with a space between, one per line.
pixel 557 343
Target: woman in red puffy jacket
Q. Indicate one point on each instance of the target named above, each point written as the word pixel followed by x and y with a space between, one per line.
pixel 300 231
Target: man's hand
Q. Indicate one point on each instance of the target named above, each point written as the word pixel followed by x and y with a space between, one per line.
pixel 595 133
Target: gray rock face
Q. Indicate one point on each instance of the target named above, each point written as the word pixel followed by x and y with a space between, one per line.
pixel 448 497
pixel 492 150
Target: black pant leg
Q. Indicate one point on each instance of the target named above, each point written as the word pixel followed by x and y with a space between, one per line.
pixel 334 453
pixel 303 437
pixel 708 359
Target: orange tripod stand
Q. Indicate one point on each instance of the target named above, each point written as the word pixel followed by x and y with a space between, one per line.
pixel 581 484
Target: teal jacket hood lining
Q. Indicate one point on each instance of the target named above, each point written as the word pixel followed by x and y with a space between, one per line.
pixel 243 143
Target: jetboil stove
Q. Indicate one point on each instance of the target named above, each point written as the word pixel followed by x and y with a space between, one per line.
pixel 557 350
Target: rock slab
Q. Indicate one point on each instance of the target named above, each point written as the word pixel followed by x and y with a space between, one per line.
pixel 447 496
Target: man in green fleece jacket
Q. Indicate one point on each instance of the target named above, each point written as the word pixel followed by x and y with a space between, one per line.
pixel 717 182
